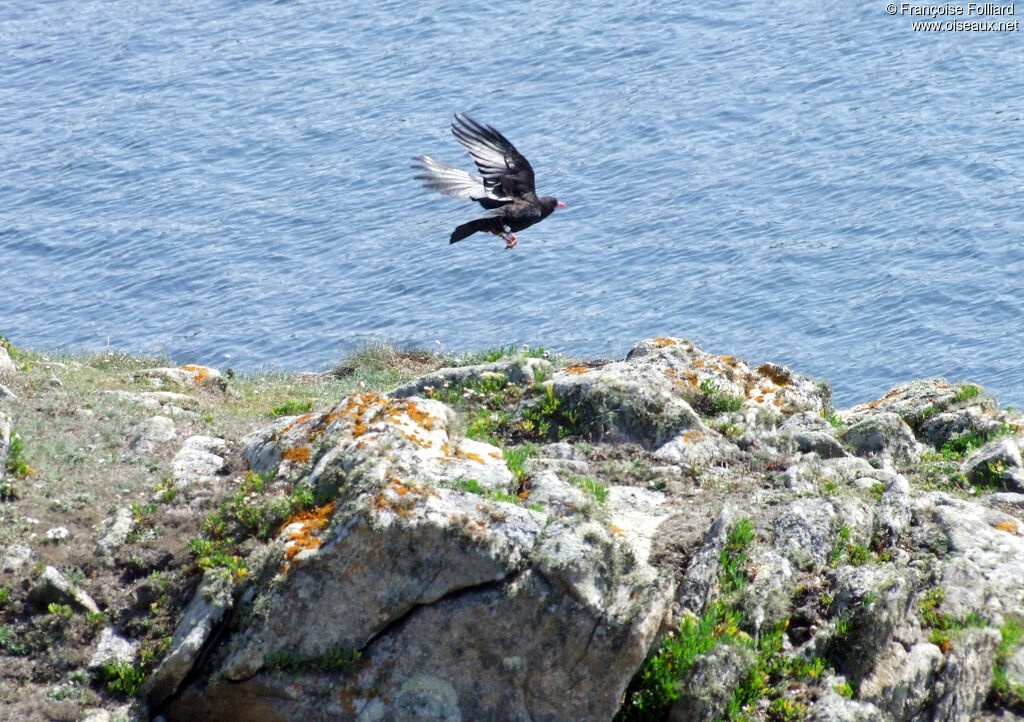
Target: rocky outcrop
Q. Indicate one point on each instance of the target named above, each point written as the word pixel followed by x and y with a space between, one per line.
pixel 673 535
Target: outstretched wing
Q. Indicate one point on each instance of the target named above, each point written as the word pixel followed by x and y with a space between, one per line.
pixel 505 171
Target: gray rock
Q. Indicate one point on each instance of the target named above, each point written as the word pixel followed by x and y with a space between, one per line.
pixel 5 441
pixel 516 371
pixel 201 617
pixel 15 557
pixel 942 428
pixel 885 436
pixel 767 598
pixel 698 586
pixel 7 367
pixel 435 584
pixel 6 394
pixel 914 402
pixel 833 707
pixel 712 683
pixel 895 511
pixel 198 462
pixel 900 684
pixel 876 602
pixel 53 587
pixel 151 433
pixel 996 464
pixel 190 375
pixel 962 684
pixel 804 531
pixel 114 532
pixel 112 648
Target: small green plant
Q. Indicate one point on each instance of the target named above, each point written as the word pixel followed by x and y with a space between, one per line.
pixel 473 487
pixel 733 558
pixel 16 463
pixel 547 417
pixel 142 512
pixel 515 460
pixel 291 407
pixel 345 659
pixel 710 400
pixel 966 392
pixel 10 644
pixel 591 487
pixel 60 610
pixel 5 596
pixel 167 490
pixel 786 710
pixel 121 678
pixel 1004 692
pixel 845 689
pixel 943 627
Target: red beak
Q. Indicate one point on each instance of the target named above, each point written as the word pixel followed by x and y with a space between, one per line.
pixel 561 205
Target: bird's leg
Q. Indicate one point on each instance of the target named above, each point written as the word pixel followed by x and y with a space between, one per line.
pixel 509 238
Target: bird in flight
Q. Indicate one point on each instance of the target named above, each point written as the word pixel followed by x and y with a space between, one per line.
pixel 505 186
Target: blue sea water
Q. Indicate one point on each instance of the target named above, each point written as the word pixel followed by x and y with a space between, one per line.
pixel 228 182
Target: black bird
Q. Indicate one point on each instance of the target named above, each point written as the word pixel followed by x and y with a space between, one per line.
pixel 506 187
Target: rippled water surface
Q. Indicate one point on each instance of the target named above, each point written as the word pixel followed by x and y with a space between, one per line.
pixel 816 185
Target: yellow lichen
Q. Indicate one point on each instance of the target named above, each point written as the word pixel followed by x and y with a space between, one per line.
pixel 199 373
pixel 576 370
pixel 297 454
pixel 663 342
pixel 1008 526
pixel 311 521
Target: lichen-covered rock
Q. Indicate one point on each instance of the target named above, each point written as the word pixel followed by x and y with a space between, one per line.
pixel 516 371
pixel 204 613
pixel 698 586
pixel 712 683
pixel 198 463
pixel 913 402
pixel 451 592
pixel 901 683
pixel 650 397
pixel 112 648
pixel 52 587
pixel 997 463
pixel 114 531
pixel 948 426
pixel 963 682
pixel 804 532
pixel 874 602
pixel 151 433
pixel 189 375
pixel 885 436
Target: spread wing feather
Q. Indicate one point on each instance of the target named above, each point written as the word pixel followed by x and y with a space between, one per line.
pixel 506 173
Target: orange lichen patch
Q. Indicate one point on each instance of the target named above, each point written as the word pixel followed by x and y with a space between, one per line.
pixel 312 521
pixel 576 370
pixel 297 454
pixel 415 439
pixel 616 530
pixel 777 402
pixel 779 374
pixel 663 342
pixel 199 373
pixel 420 416
pixel 398 487
pixel 523 495
pixel 494 454
pixel 693 435
pixel 759 399
pixel 699 363
pixel 1009 527
pixel 670 372
pixel 473 457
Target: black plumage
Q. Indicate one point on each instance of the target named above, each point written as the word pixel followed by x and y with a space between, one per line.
pixel 505 186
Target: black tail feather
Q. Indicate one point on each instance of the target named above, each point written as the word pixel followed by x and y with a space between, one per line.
pixel 480 224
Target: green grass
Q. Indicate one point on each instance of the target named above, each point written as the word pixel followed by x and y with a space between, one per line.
pixel 944 628
pixel 1003 692
pixel 733 558
pixel 515 460
pixel 663 676
pixel 343 659
pixel 16 462
pixel 473 487
pixel 291 407
pixel 966 392
pixel 710 400
pixel 121 678
pixel 595 489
